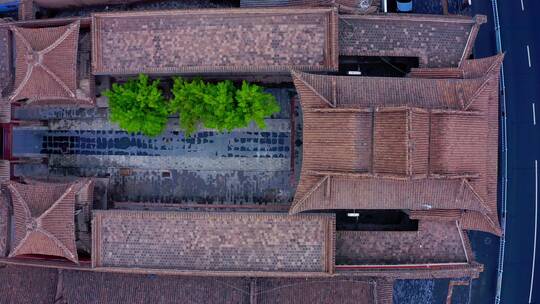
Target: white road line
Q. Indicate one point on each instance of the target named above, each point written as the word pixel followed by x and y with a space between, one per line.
pixel 522 6
pixel 534 114
pixel 535 226
pixel 529 55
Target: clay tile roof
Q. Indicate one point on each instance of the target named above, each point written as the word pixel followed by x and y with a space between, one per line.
pixel 358 192
pixel 46 64
pixel 275 3
pixel 227 41
pixel 4 225
pixel 486 69
pixel 43 285
pixel 413 144
pixel 331 290
pixel 323 91
pixel 400 141
pixel 27 285
pixel 438 41
pixel 345 6
pixel 89 288
pixel 246 242
pixel 458 143
pixel 44 219
pixel 469 69
pixel 5 60
pixel 349 151
pixel 434 242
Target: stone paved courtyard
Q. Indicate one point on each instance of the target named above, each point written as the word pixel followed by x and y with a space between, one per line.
pixel 241 167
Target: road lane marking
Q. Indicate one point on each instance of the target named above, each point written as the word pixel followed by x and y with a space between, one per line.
pixel 534 114
pixel 535 226
pixel 529 55
pixel 522 6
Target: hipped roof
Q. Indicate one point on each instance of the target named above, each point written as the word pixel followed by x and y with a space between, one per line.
pixel 403 143
pixel 44 218
pixel 46 65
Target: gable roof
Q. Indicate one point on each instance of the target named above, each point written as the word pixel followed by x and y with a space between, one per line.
pixel 410 35
pixel 4 225
pixel 468 69
pixel 348 92
pixel 46 65
pixel 435 241
pixel 351 191
pixel 345 6
pixel 240 242
pixel 5 60
pixel 25 284
pixel 44 219
pixel 437 150
pixel 227 41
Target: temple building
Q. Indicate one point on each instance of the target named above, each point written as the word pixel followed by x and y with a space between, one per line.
pixel 394 170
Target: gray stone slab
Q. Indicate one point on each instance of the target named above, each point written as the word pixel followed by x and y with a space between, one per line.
pixel 170 162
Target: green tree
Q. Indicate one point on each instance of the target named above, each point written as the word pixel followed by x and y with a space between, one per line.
pixel 138 106
pixel 220 106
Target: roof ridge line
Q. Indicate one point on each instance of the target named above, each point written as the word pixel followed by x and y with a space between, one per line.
pixel 58 201
pixel 15 30
pixel 499 57
pixel 24 82
pixel 489 74
pixel 485 81
pixel 58 243
pixel 19 196
pixel 71 28
pixel 482 202
pixel 296 204
pixel 298 75
pixel 58 80
pixel 13 252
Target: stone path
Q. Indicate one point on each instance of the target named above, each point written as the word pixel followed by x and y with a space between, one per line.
pixel 248 165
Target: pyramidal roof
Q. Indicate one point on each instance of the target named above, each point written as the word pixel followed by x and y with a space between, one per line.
pixel 46 65
pixel 44 218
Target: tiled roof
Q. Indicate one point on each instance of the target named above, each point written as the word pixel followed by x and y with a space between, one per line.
pixel 27 285
pixel 44 219
pixel 401 141
pixel 321 91
pixel 5 110
pixel 101 287
pixel 469 69
pixel 345 6
pixel 438 41
pixel 4 224
pixel 24 284
pixel 5 60
pixel 441 154
pixel 350 151
pixel 58 4
pixel 335 191
pixel 233 40
pixel 45 65
pixel 331 290
pixel 276 3
pixel 247 242
pixel 84 287
pixel 434 242
pixel 483 101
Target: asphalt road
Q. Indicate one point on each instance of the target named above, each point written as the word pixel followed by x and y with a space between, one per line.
pixel 520 37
